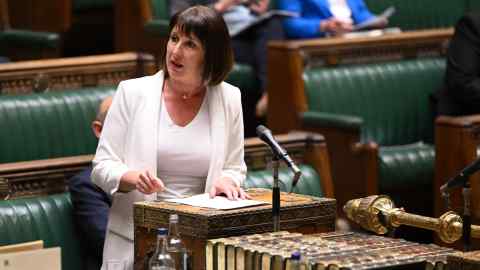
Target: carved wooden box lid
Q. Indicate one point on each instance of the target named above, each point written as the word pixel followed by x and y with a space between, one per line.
pixel 296 210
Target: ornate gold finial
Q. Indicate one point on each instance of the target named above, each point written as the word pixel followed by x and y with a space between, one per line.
pixel 377 213
pixel 365 212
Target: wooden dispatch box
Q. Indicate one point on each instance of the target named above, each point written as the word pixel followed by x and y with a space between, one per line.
pixel 298 213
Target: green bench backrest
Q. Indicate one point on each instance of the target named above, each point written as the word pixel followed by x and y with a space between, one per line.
pixel 392 98
pixel 242 76
pixel 309 183
pixel 47 218
pixel 421 14
pixel 49 125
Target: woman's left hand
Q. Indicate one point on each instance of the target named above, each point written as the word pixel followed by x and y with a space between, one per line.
pixel 228 187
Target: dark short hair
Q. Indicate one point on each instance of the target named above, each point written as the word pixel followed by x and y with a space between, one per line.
pixel 210 28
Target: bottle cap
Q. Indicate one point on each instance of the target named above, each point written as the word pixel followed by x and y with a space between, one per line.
pixel 173 218
pixel 162 231
pixel 295 255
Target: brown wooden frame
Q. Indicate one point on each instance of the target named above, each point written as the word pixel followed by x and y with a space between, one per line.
pixel 287 61
pixel 73 72
pixel 456 142
pixel 39 177
pixel 4 18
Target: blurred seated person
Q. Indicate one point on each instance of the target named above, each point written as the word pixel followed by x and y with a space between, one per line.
pixel 461 93
pixel 90 203
pixel 319 18
pixel 249 46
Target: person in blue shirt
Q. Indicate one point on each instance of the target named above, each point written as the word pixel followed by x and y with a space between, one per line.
pixel 318 18
pixel 91 204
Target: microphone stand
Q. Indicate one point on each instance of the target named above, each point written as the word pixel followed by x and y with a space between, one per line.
pixel 467 221
pixel 276 194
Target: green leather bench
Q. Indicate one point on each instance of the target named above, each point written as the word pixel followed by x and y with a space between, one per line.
pixel 415 15
pixel 48 218
pixel 49 125
pixel 57 124
pixel 378 124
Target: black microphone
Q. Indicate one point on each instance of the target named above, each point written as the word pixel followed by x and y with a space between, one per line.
pixel 462 177
pixel 266 135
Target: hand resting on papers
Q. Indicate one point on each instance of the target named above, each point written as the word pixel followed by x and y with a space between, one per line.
pixel 227 187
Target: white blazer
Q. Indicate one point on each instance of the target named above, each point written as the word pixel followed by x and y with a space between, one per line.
pixel 129 142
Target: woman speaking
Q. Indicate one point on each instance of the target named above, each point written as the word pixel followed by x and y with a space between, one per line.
pixel 179 131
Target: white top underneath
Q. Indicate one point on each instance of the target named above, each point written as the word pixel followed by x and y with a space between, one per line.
pixel 184 153
pixel 341 10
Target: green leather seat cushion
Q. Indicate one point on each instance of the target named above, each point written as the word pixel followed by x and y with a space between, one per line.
pixel 47 218
pixel 30 39
pixel 309 183
pixel 49 125
pixel 406 167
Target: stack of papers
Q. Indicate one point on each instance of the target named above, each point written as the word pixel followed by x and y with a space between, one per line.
pixel 219 202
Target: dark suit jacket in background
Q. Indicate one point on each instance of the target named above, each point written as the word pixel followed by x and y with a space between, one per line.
pixel 461 94
pixel 91 206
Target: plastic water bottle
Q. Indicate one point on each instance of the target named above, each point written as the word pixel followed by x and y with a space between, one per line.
pixel 161 259
pixel 175 247
pixel 295 261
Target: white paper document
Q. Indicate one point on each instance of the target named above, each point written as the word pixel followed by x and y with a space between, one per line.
pixel 219 202
pixel 375 20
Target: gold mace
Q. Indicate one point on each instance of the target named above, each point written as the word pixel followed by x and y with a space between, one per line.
pixel 377 213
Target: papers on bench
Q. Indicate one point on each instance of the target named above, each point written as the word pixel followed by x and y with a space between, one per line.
pixel 372 33
pixel 240 18
pixel 219 202
pixel 375 20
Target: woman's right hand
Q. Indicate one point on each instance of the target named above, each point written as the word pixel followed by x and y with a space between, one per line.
pixel 143 181
pixel 148 183
pixel 335 26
